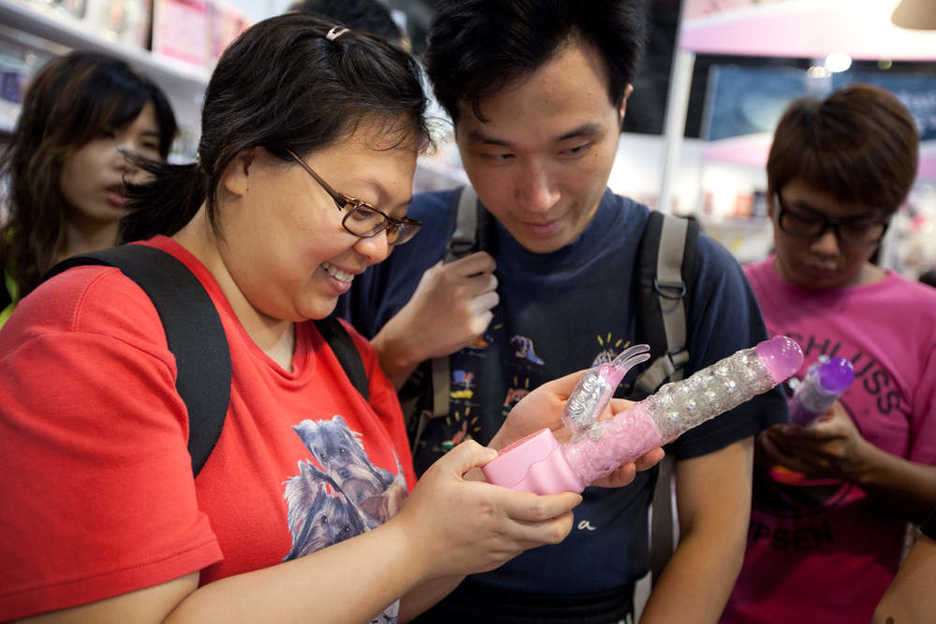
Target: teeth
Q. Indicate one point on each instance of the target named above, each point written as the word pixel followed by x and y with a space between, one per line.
pixel 339 275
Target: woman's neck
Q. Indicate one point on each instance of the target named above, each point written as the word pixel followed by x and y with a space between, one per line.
pixel 86 237
pixel 275 337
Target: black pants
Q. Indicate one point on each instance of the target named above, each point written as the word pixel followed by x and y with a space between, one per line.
pixel 472 603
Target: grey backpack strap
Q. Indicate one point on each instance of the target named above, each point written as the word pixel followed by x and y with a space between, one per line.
pixel 464 237
pixel 667 256
pixel 663 526
pixel 462 241
pixel 669 292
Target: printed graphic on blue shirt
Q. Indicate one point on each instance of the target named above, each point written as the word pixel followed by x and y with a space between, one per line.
pixel 341 495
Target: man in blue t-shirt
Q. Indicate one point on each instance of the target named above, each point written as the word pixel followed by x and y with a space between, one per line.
pixel 537 91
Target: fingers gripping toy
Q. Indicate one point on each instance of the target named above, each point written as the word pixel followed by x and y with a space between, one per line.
pixel 539 463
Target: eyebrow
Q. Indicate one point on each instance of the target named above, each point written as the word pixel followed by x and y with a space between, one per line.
pixel 585 131
pixel 381 193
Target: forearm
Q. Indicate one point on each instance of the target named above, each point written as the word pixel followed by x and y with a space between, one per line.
pixel 909 486
pixel 910 599
pixel 696 582
pixel 714 506
pixel 424 596
pixel 352 581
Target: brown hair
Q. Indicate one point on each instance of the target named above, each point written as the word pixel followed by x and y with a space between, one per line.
pixel 71 101
pixel 859 144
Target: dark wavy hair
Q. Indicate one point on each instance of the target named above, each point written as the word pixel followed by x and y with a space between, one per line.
pixel 476 47
pixel 859 144
pixel 71 101
pixel 282 85
pixel 370 16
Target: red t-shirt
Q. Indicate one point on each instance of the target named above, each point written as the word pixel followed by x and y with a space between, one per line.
pixel 97 492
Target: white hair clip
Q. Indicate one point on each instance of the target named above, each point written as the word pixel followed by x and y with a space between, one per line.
pixel 335 32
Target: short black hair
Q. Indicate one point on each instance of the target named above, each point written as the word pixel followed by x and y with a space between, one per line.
pixel 370 16
pixel 476 47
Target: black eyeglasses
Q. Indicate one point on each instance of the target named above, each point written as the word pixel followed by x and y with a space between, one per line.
pixel 858 231
pixel 362 219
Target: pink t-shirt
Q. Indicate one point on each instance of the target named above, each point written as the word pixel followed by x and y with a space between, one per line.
pixel 819 550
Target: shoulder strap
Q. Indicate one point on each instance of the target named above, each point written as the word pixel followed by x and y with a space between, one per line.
pixel 346 351
pixel 463 240
pixel 193 332
pixel 464 237
pixel 666 266
pixel 665 261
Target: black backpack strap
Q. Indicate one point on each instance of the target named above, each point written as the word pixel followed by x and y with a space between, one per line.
pixel 193 332
pixel 346 351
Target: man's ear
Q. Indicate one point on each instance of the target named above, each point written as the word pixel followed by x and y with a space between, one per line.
pixel 627 93
pixel 236 178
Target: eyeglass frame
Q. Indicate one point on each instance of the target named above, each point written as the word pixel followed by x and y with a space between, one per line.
pixel 343 201
pixel 827 223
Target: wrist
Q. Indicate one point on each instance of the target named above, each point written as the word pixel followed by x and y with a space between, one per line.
pixel 864 471
pixel 397 357
pixel 416 561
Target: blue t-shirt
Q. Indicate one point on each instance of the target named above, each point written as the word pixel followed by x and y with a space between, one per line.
pixel 561 312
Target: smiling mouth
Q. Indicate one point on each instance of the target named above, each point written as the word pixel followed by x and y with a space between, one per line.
pixel 338 275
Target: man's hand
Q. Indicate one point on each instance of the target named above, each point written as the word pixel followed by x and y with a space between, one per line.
pixel 543 408
pixel 450 309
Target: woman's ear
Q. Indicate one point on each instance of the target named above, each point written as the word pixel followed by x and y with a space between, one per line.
pixel 236 178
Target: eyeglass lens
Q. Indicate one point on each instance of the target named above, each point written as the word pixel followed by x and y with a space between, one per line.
pixel 859 231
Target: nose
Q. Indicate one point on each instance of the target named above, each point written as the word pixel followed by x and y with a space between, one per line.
pixel 123 152
pixel 534 191
pixel 827 244
pixel 375 249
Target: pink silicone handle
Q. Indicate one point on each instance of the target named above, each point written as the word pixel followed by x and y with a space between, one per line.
pixel 533 464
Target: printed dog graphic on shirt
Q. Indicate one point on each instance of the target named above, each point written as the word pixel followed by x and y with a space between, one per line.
pixel 319 513
pixel 338 450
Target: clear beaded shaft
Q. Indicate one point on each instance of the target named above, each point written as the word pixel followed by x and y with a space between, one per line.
pixel 682 405
pixel 679 406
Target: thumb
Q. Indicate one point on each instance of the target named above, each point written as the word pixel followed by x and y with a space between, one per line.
pixel 467 455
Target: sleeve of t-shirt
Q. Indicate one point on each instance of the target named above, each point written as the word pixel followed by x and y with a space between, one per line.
pixel 381 291
pixel 383 398
pixel 923 414
pixel 725 318
pixel 97 488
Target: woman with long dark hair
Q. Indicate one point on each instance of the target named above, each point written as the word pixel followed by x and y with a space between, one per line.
pixel 84 116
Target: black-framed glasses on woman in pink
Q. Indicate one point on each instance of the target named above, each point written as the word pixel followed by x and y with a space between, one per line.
pixel 362 219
